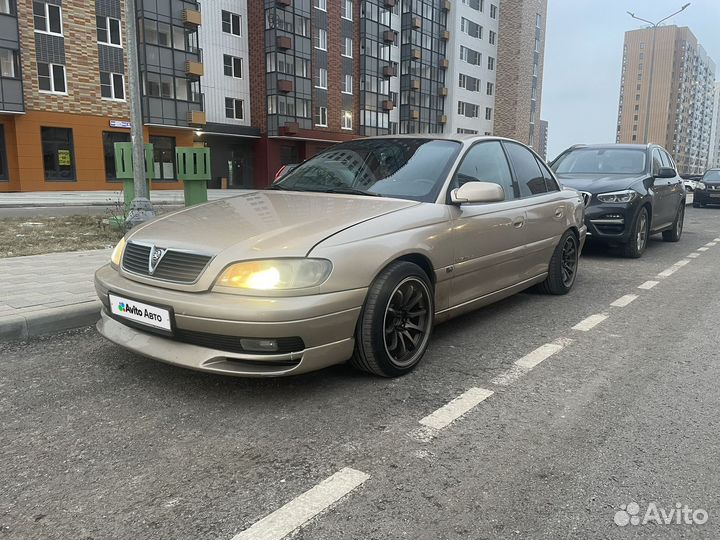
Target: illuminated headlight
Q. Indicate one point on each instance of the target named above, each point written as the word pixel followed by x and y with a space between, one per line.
pixel 117 253
pixel 276 274
pixel 625 196
pixel 700 185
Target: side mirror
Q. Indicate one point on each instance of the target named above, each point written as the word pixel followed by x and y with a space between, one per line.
pixel 666 172
pixel 478 192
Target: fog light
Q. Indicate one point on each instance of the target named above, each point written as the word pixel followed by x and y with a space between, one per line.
pixel 259 345
pixel 613 216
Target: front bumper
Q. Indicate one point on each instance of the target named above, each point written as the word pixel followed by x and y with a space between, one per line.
pixel 706 197
pixel 610 222
pixel 325 323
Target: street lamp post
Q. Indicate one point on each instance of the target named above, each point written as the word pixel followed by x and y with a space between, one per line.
pixel 654 26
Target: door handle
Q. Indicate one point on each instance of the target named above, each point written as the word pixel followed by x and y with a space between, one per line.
pixel 518 222
pixel 559 212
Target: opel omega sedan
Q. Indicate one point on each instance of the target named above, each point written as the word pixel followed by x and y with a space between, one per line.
pixel 354 255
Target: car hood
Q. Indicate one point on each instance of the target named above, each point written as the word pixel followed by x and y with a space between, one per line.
pixel 598 183
pixel 258 224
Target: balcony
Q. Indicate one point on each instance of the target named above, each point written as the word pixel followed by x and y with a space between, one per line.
pixel 290 128
pixel 388 105
pixel 414 84
pixel 444 63
pixel 191 17
pixel 389 71
pixel 285 86
pixel 196 118
pixel 283 42
pixel 442 119
pixel 389 36
pixel 194 69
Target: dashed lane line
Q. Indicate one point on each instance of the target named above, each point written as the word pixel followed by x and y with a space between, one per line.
pixel 304 507
pixel 448 413
pixel 711 244
pixel 693 255
pixel 703 249
pixel 624 300
pixel 526 363
pixel 648 285
pixel 591 322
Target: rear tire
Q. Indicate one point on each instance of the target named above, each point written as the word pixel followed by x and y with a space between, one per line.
pixel 563 266
pixel 674 234
pixel 637 243
pixel 395 324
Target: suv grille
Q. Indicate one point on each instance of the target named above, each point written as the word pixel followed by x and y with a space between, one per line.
pixel 177 266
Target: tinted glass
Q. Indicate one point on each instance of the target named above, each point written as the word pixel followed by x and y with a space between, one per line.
pixel 601 161
pixel 527 172
pixel 712 176
pixel 58 153
pixel 550 182
pixel 485 162
pixel 405 168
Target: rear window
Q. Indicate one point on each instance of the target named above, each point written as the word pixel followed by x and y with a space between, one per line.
pixel 712 176
pixel 601 161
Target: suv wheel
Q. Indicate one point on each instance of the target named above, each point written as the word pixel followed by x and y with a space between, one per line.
pixel 637 243
pixel 674 234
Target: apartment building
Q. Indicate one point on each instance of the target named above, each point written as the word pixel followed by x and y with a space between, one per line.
pixel 714 158
pixel 675 110
pixel 521 49
pixel 542 139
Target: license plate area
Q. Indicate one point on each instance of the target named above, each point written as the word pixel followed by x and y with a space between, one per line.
pixel 153 317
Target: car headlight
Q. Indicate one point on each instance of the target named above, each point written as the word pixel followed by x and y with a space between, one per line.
pixel 624 196
pixel 699 185
pixel 276 274
pixel 117 253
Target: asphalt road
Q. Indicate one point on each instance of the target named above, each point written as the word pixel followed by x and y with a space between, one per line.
pixel 99 443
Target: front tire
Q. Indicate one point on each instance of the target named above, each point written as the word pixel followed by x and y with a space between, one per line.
pixel 395 324
pixel 563 266
pixel 637 243
pixel 674 234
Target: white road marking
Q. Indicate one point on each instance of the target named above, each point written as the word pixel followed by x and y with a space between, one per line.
pixel 624 300
pixel 669 271
pixel 591 322
pixel 648 285
pixel 298 511
pixel 711 244
pixel 509 376
pixel 543 352
pixel 716 240
pixel 682 262
pixel 703 249
pixel 693 255
pixel 453 410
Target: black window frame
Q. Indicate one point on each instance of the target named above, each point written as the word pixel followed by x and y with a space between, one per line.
pixel 56 146
pixel 232 104
pixel 231 63
pixel 230 19
pixel 110 172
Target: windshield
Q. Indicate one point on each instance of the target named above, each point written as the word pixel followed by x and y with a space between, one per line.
pixel 601 161
pixel 712 176
pixel 405 168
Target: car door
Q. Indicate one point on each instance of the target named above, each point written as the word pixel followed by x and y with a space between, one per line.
pixel 677 191
pixel 546 209
pixel 663 208
pixel 488 239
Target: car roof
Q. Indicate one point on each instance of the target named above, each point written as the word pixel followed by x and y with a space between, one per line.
pixel 617 145
pixel 459 137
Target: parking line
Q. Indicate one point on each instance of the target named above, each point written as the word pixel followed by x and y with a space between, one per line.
pixel 682 262
pixel 693 255
pixel 711 244
pixel 716 240
pixel 648 285
pixel 702 249
pixel 543 352
pixel 669 271
pixel 591 322
pixel 448 413
pixel 304 507
pixel 624 300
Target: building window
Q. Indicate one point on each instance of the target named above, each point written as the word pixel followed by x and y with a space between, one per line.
pixel 346 118
pixel 112 86
pixel 469 83
pixel 468 109
pixel 347 10
pixel 637 97
pixel 488 113
pixel 470 56
pixel 321 117
pixel 491 37
pixel 108 31
pixel 234 108
pixel 321 39
pixel 7 7
pixel 642 56
pixel 537 45
pixel 232 66
pixel 490 89
pixel 322 78
pixel 3 155
pixel 471 28
pixel 642 45
pixel 321 4
pixel 163 158
pixel 51 78
pixel 538 20
pixel 493 11
pixel 109 140
pixel 231 23
pixel 634 138
pixel 474 4
pixel 58 153
pixel 491 63
pixel 48 18
pixel 8 64
pixel 347 49
pixel 348 84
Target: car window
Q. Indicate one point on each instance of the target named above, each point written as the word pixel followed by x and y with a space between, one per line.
pixel 667 159
pixel 601 161
pixel 527 171
pixel 550 182
pixel 656 161
pixel 713 175
pixel 485 162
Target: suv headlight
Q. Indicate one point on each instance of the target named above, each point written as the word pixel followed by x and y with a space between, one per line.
pixel 699 185
pixel 275 274
pixel 624 196
pixel 117 253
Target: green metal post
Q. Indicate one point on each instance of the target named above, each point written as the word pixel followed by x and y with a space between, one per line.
pixel 124 169
pixel 193 168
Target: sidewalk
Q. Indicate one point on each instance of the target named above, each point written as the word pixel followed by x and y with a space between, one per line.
pixel 42 294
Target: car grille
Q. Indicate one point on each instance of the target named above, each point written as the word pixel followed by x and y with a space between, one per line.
pixel 176 266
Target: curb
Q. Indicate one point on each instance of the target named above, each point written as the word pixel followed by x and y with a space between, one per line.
pixel 48 321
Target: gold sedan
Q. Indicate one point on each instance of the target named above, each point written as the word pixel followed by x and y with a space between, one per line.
pixel 353 256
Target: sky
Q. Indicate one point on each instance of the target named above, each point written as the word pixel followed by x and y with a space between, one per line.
pixel 583 57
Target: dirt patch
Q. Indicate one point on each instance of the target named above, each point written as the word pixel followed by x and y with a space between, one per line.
pixel 37 235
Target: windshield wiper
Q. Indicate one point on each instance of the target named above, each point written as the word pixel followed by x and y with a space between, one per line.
pixel 350 191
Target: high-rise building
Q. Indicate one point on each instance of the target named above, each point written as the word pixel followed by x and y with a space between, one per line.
pixel 714 159
pixel 542 139
pixel 666 92
pixel 521 48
